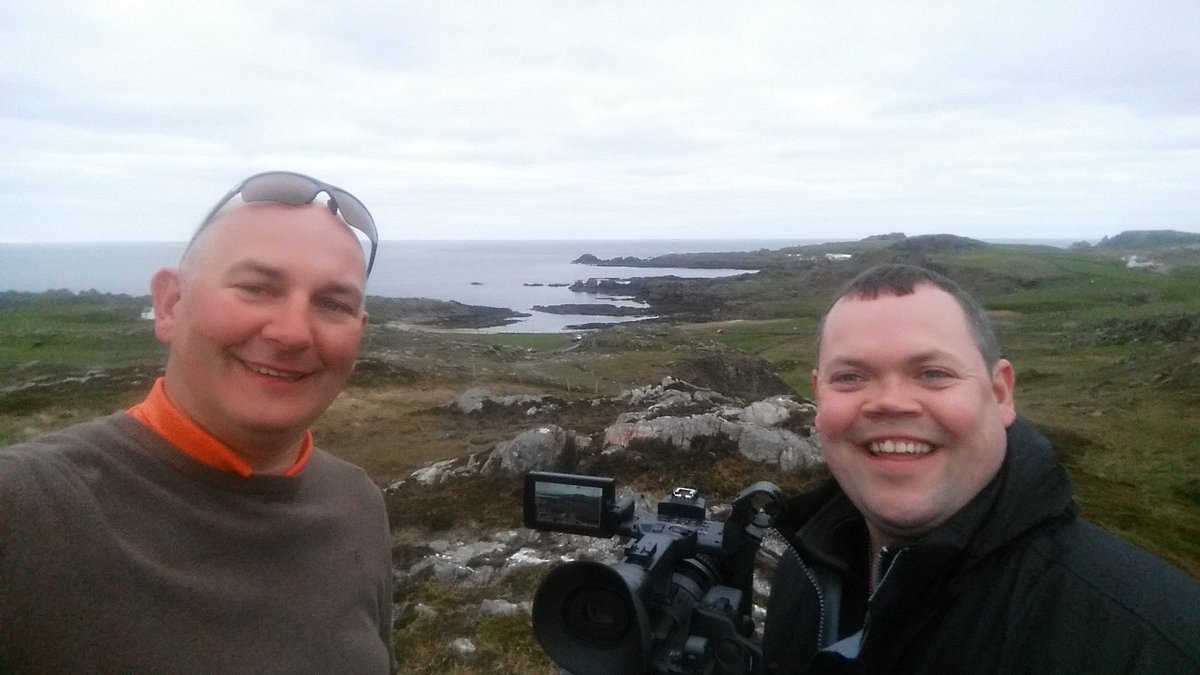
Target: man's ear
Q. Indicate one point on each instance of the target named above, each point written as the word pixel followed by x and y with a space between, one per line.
pixel 1004 380
pixel 165 290
pixel 816 379
pixel 361 329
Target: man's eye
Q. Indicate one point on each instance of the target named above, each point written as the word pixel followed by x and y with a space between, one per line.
pixel 253 289
pixel 846 378
pixel 337 306
pixel 934 374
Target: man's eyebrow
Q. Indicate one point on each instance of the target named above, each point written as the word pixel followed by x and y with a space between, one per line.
pixel 845 361
pixel 933 355
pixel 255 267
pixel 338 288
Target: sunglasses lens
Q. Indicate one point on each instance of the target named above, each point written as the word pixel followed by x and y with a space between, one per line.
pixel 285 188
pixel 355 214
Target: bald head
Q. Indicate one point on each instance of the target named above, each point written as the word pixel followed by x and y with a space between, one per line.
pixel 267 216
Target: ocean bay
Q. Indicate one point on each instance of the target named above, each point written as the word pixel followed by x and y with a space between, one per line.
pixel 516 274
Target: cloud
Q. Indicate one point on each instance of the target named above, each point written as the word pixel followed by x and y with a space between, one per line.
pixel 537 119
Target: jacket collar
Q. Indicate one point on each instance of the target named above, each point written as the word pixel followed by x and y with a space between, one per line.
pixel 1030 489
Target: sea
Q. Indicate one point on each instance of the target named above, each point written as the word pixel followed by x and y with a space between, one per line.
pixel 517 274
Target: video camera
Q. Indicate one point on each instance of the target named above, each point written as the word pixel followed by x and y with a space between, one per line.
pixel 679 602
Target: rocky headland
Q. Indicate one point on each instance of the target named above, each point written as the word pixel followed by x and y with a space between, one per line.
pixel 819 267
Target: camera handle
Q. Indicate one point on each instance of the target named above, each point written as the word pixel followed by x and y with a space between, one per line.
pixel 755 510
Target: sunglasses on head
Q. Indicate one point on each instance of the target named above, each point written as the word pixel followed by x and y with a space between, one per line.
pixel 287 187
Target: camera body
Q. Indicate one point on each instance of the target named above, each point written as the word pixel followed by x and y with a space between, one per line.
pixel 680 599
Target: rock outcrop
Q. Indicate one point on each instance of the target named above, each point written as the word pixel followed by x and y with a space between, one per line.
pixel 544 448
pixel 672 416
pixel 1143 239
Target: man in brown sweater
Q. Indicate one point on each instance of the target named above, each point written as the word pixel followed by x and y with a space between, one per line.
pixel 201 531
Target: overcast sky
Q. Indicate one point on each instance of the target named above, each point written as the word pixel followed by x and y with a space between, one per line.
pixel 124 120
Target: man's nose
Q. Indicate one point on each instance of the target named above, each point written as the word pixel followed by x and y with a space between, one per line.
pixel 891 395
pixel 290 325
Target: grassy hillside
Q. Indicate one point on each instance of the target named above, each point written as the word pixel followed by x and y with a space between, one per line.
pixel 1107 361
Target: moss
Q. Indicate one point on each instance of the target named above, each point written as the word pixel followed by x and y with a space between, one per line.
pixel 488 502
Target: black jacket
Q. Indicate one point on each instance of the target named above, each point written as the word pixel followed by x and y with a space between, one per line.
pixel 1015 582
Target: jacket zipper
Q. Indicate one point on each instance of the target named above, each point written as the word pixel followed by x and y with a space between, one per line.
pixel 883 552
pixel 816 587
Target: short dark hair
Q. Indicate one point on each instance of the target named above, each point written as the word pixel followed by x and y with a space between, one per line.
pixel 901 279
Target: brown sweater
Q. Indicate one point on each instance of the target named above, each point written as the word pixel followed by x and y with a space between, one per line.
pixel 120 554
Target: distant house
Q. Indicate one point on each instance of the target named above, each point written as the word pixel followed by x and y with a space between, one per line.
pixel 837 256
pixel 1134 263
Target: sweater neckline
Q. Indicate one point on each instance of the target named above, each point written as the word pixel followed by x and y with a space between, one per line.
pixel 161 414
pixel 151 447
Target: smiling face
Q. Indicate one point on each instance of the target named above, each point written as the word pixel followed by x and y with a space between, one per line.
pixel 912 420
pixel 263 319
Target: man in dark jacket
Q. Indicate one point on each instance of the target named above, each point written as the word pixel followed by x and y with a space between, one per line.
pixel 949 542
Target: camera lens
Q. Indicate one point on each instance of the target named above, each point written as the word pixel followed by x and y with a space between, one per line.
pixel 590 618
pixel 597 615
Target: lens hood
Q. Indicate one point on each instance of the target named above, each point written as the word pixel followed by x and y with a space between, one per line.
pixel 591 620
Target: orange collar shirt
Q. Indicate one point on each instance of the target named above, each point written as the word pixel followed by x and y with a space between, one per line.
pixel 168 421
